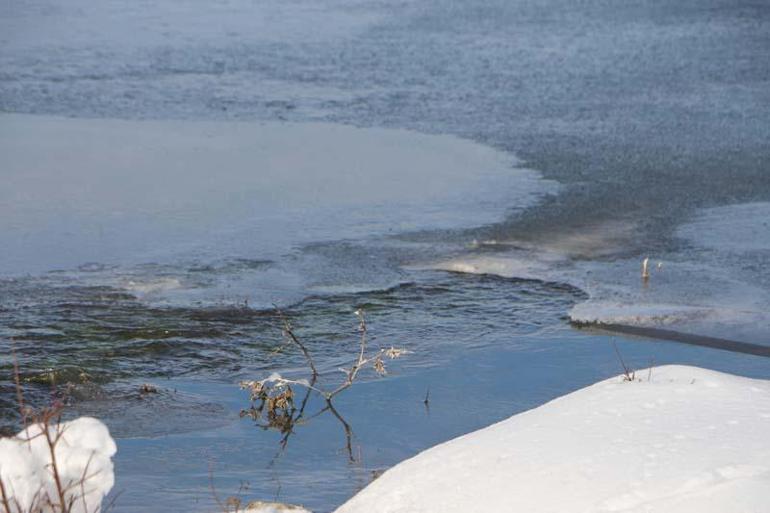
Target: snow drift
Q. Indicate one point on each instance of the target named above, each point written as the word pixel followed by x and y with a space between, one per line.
pixel 684 440
pixel 83 455
pixel 271 507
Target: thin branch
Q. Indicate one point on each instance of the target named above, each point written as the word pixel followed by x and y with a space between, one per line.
pixel 288 330
pixel 362 328
pixel 629 374
pixel 298 417
pixel 275 392
pixel 308 385
pixel 348 431
pixel 19 390
pixel 360 362
pixel 4 497
pixel 54 468
pixel 111 504
pixel 307 396
pixel 214 489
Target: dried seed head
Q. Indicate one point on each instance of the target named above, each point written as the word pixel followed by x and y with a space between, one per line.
pixel 379 366
pixel 394 352
pixel 148 389
pixel 255 388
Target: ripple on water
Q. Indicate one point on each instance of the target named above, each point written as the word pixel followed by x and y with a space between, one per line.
pixel 95 338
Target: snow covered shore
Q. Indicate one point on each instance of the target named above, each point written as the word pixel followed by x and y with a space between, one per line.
pixel 83 452
pixel 685 440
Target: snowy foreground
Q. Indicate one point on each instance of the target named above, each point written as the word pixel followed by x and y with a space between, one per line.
pixel 686 440
pixel 271 507
pixel 676 440
pixel 83 454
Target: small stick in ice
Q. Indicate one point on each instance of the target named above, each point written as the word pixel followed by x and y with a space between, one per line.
pixel 645 269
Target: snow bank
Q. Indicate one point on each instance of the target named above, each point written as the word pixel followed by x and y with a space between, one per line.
pixel 687 440
pixel 273 507
pixel 646 315
pixel 84 449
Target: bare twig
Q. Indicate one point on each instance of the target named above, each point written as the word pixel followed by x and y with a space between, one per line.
pixel 4 497
pixel 273 397
pixel 299 415
pixel 52 441
pixel 19 391
pixel 111 504
pixel 628 374
pixel 345 426
pixel 49 429
pixel 213 488
pixel 359 363
pixel 290 333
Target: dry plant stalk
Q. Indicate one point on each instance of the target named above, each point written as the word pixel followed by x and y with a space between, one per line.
pixel 68 496
pixel 273 397
pixel 629 374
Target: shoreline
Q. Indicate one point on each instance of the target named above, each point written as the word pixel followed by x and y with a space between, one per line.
pixel 722 344
pixel 531 371
pixel 616 445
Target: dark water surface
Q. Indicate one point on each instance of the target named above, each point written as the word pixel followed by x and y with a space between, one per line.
pixel 98 336
pixel 646 112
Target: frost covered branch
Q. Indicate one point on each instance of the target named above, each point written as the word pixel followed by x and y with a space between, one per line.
pixel 273 398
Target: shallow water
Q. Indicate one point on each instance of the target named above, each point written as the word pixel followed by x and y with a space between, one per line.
pixel 471 389
pixel 153 251
pixel 106 335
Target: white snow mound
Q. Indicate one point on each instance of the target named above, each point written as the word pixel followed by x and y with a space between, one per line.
pixel 687 440
pixel 83 454
pixel 273 507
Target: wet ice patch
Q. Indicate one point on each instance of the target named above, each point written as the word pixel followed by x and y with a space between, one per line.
pixel 125 193
pixel 694 293
pixel 509 266
pixel 145 288
pixel 653 315
pixel 715 285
